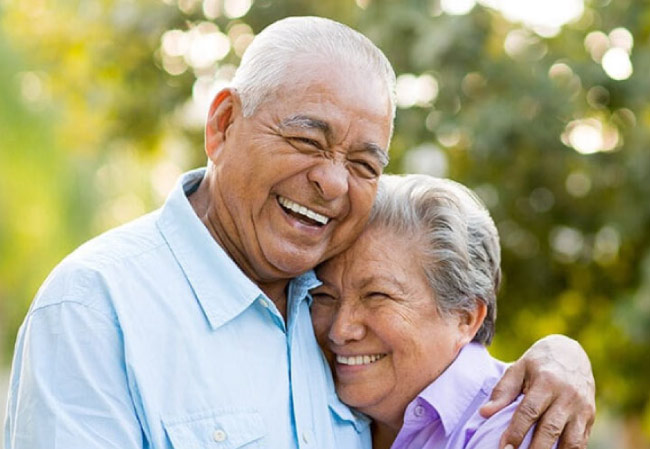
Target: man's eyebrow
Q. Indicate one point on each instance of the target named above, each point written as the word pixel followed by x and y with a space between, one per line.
pixel 377 152
pixel 301 121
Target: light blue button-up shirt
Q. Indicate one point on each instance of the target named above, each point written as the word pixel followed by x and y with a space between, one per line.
pixel 151 336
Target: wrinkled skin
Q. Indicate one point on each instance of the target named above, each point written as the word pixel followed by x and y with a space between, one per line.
pixel 556 378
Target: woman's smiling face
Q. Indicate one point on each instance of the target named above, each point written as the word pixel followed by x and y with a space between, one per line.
pixel 375 318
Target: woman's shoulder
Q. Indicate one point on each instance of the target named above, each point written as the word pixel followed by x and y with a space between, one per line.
pixel 481 432
pixel 486 432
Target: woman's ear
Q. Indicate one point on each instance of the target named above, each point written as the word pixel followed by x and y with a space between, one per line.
pixel 470 321
pixel 224 109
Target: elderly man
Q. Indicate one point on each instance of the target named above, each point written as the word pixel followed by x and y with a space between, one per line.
pixel 190 326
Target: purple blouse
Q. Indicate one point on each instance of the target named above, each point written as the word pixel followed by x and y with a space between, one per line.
pixel 445 414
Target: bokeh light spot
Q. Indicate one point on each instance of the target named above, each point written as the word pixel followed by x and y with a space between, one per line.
pixel 597 43
pixel 578 183
pixel 236 8
pixel 427 159
pixel 606 246
pixel 211 8
pixel 617 65
pixel 175 42
pixel 621 38
pixel 207 46
pixel 541 200
pixel 415 90
pixel 589 136
pixel 567 243
pixel 457 7
pixel 544 17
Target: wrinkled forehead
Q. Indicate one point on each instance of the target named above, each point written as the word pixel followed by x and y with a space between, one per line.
pixel 373 244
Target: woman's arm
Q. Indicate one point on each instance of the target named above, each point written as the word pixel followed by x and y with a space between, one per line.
pixel 555 376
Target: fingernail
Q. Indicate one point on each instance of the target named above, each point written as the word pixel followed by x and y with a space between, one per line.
pixel 508 446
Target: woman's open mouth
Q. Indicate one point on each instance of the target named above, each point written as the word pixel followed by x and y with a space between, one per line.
pixel 359 360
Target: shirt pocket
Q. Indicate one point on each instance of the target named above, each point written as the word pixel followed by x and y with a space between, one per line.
pixel 216 429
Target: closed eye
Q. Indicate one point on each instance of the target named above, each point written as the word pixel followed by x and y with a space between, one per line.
pixel 323 297
pixel 378 295
pixel 307 141
pixel 366 169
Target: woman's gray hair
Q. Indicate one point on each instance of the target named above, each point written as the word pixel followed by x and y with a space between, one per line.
pixel 268 58
pixel 455 235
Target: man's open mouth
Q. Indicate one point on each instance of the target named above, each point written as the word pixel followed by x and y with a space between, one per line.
pixel 302 213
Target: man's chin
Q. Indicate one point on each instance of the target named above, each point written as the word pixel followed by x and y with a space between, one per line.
pixel 290 266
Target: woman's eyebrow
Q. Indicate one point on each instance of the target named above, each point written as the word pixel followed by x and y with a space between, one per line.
pixel 390 279
pixel 324 283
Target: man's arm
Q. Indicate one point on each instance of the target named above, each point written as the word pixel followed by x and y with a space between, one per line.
pixel 69 386
pixel 556 378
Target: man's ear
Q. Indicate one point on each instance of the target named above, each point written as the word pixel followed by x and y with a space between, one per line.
pixel 224 109
pixel 470 321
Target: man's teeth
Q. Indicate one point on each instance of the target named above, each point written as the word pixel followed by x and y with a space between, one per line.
pixel 358 360
pixel 299 209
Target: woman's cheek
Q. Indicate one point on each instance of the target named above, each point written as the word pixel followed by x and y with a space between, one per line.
pixel 321 318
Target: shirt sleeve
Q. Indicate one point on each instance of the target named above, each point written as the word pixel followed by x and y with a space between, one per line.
pixel 488 434
pixel 69 385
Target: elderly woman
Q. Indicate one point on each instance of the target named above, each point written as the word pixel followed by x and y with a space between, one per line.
pixel 405 314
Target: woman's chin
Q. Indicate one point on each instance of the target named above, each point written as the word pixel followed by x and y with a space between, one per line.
pixel 357 398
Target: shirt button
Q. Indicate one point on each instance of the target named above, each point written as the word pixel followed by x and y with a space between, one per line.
pixel 419 411
pixel 219 436
pixel 305 437
pixel 264 303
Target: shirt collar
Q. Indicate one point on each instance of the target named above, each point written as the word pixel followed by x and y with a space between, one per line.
pixel 221 288
pixel 358 420
pixel 454 390
pixel 299 289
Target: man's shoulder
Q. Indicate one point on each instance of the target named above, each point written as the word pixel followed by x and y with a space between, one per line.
pixel 121 243
pixel 85 275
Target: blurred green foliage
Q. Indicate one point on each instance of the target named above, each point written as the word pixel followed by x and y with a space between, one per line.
pixel 97 120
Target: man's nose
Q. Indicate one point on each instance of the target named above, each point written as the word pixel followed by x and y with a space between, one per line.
pixel 347 326
pixel 330 178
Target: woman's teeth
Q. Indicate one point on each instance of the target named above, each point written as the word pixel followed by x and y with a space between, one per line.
pixel 358 360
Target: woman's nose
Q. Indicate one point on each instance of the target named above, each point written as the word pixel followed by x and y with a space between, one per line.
pixel 347 326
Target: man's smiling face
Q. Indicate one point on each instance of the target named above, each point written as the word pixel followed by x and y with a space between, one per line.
pixel 297 178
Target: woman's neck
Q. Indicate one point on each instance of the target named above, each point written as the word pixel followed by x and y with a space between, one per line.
pixel 383 435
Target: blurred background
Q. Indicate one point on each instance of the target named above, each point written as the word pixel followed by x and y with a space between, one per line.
pixel 541 106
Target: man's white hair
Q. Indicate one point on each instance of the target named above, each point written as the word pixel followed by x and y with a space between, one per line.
pixel 268 58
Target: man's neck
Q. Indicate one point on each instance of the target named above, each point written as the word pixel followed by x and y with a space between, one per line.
pixel 200 199
pixel 278 293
